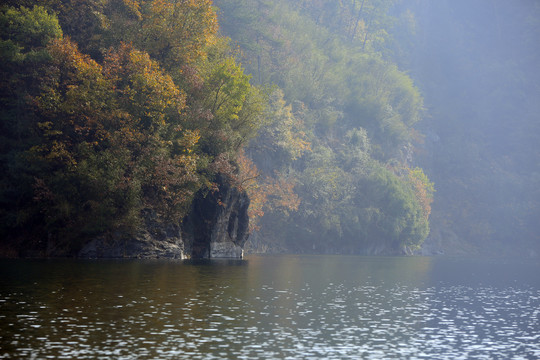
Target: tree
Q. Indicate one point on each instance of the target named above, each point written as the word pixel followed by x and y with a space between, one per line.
pixel 153 129
pixel 423 188
pixel 175 33
pixel 24 36
pixel 283 139
pixel 390 212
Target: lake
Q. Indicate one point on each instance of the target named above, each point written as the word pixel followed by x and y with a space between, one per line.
pixel 263 307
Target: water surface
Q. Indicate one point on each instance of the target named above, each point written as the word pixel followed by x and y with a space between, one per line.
pixel 285 307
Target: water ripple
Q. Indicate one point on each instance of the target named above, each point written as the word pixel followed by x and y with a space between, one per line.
pixel 270 319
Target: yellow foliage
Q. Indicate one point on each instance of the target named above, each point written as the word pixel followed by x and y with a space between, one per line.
pixel 265 194
pixel 134 7
pixel 423 189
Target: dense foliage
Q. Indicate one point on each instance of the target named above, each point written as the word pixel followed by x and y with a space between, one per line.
pixel 360 128
pixel 112 107
pixel 340 130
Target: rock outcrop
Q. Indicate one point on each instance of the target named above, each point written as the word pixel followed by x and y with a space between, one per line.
pixel 216 227
pixel 156 239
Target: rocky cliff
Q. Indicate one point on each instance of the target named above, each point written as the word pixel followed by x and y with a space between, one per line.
pixel 215 227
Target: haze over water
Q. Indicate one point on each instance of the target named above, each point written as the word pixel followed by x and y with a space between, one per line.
pixel 328 307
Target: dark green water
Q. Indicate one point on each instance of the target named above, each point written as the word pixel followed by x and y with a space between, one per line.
pixel 283 307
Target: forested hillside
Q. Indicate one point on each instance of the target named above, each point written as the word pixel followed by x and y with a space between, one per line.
pixel 329 114
pixel 346 71
pixel 111 109
pixel 340 130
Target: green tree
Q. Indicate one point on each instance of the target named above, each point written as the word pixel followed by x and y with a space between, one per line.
pixel 394 215
pixel 175 33
pixel 24 36
pixel 349 102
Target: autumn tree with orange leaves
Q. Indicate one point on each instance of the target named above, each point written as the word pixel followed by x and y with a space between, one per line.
pixel 266 193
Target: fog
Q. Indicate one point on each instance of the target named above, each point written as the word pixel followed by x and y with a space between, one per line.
pixel 354 127
pixel 477 66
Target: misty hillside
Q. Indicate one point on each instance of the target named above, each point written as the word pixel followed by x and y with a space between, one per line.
pixel 341 127
pixel 354 127
pixel 475 66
